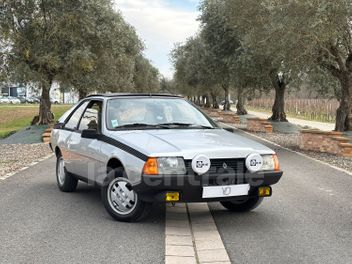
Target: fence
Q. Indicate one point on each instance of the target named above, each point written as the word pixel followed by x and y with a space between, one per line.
pixel 314 109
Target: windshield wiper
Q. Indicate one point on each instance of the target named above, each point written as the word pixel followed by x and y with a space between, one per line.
pixel 138 125
pixel 161 126
pixel 201 126
pixel 176 124
pixel 185 125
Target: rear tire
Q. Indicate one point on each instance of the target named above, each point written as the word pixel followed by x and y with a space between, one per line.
pixel 243 205
pixel 65 181
pixel 119 199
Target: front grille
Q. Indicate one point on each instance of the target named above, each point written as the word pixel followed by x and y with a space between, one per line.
pixel 222 171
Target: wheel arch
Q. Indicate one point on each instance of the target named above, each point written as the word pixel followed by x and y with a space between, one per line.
pixel 114 163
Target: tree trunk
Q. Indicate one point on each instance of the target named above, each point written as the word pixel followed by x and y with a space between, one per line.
pixel 241 99
pixel 278 109
pixel 214 100
pixel 45 115
pixel 344 112
pixel 197 102
pixel 227 97
pixel 207 101
pixel 203 100
pixel 82 94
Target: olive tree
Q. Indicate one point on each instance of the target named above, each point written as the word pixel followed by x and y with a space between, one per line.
pixel 196 72
pixel 319 34
pixel 297 37
pixel 252 21
pixel 146 76
pixel 82 43
pixel 222 42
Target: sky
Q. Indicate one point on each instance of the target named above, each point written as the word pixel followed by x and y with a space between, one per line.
pixel 160 24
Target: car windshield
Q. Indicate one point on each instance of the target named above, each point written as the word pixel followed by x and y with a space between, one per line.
pixel 144 113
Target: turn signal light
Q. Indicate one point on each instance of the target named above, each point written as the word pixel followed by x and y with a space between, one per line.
pixel 264 191
pixel 172 197
pixel 151 167
pixel 276 163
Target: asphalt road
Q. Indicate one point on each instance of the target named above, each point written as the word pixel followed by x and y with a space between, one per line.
pixel 40 224
pixel 308 219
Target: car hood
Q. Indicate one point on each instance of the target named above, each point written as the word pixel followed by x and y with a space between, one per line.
pixel 187 143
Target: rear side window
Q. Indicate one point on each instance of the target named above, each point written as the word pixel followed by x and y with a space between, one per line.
pixel 74 119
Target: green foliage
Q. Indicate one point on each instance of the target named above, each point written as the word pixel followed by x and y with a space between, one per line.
pixel 146 76
pixel 84 44
pixel 216 58
pixel 252 45
pixel 311 34
pixel 168 86
pixel 221 39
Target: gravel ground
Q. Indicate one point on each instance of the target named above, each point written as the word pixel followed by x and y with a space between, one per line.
pixel 291 141
pixel 16 156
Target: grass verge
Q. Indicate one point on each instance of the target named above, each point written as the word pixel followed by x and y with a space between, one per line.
pixel 16 117
pixel 289 114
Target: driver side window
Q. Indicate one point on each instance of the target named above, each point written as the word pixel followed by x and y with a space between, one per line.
pixel 91 118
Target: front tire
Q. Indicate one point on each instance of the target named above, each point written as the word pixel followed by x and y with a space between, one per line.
pixel 65 181
pixel 246 205
pixel 119 199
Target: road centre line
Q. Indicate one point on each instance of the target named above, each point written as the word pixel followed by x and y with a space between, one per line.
pixel 191 235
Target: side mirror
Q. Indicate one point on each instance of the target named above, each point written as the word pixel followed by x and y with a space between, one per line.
pixel 59 125
pixel 90 133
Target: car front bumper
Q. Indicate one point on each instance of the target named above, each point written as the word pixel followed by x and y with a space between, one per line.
pixel 190 187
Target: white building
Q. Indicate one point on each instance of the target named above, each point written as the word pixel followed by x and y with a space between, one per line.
pixel 32 90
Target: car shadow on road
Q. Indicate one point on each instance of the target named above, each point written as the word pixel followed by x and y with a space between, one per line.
pixel 257 219
pixel 92 195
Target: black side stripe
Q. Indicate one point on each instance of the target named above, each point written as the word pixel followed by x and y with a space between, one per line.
pixel 123 147
pixel 112 142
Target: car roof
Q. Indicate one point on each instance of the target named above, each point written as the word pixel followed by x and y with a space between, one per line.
pixel 114 95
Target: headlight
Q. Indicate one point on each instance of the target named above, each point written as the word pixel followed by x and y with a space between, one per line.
pixel 171 166
pixel 165 165
pixel 270 163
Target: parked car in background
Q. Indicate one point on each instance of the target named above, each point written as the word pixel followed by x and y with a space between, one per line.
pixel 33 100
pixel 4 100
pixel 54 101
pixel 14 100
pixel 9 100
pixel 22 99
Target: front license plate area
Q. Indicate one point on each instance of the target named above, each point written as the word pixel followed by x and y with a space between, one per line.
pixel 225 191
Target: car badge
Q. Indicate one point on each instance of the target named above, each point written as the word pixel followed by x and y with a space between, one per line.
pixel 224 165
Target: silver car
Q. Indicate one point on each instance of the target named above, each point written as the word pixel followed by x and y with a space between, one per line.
pixel 142 148
pixel 10 100
pixel 4 100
